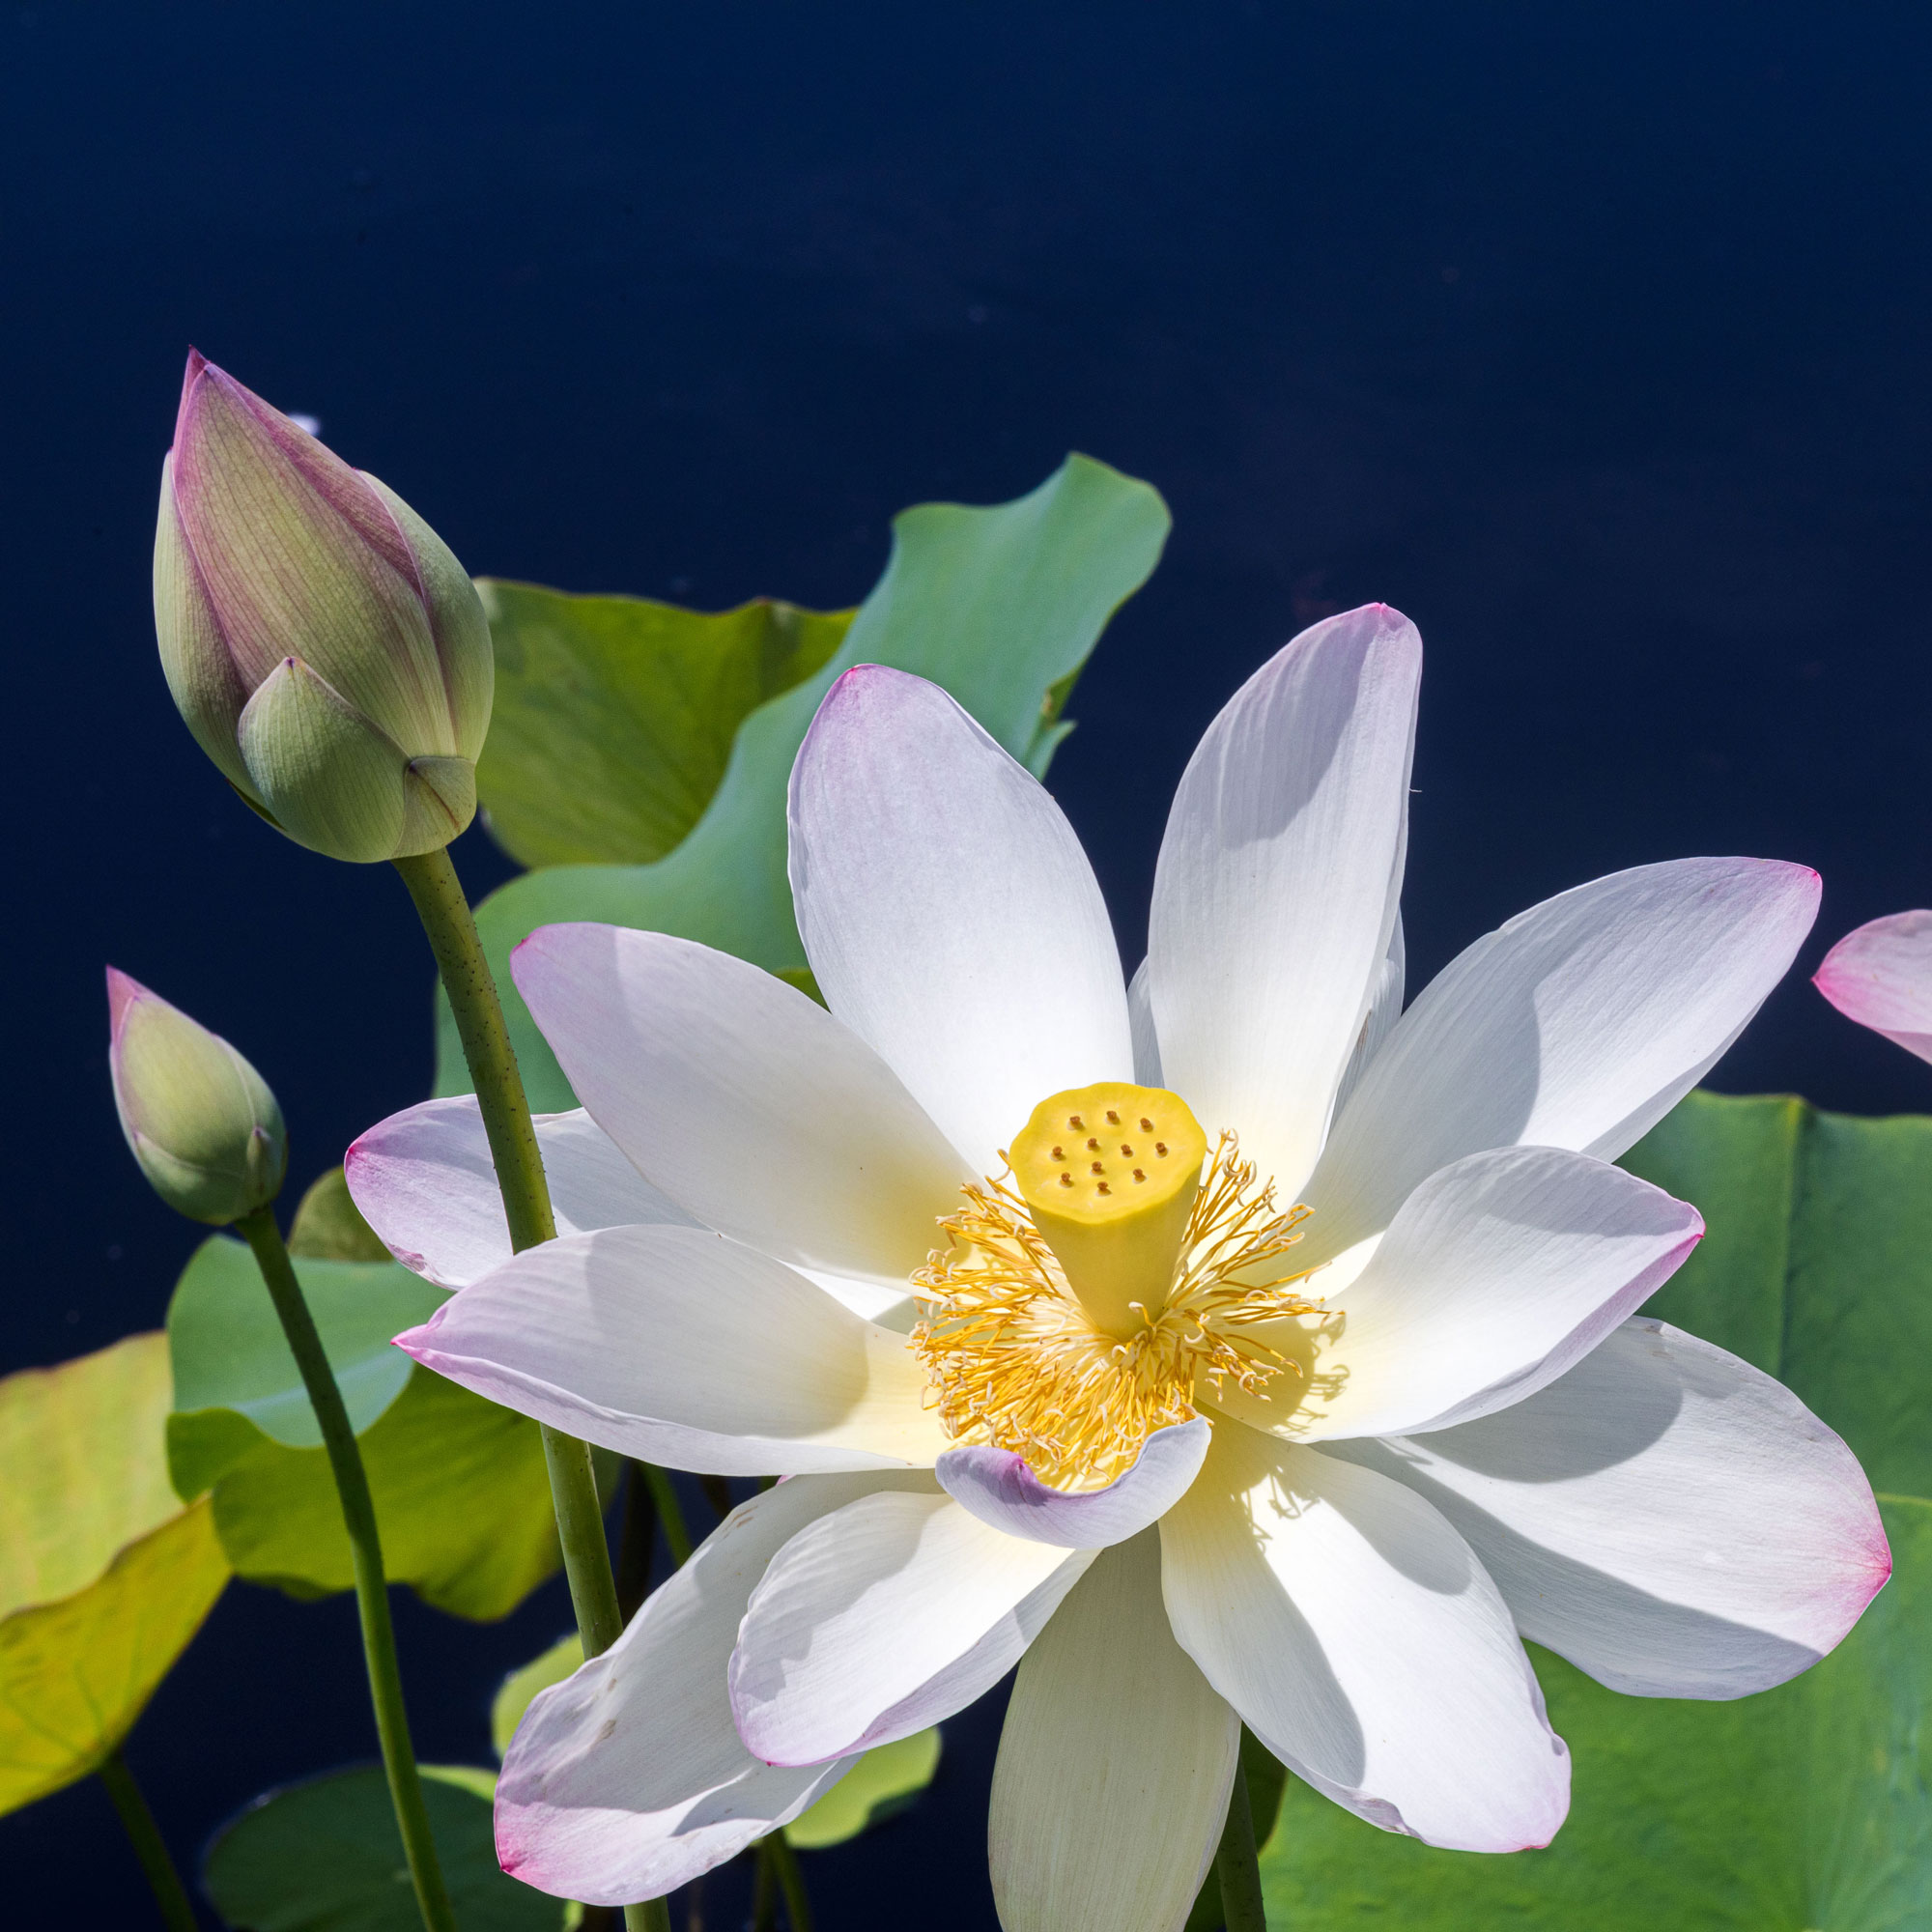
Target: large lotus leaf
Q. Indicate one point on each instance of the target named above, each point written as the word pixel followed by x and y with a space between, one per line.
pixel 104 1577
pixel 613 715
pixel 1000 606
pixel 462 1500
pixel 325 1857
pixel 237 1386
pixel 1804 1809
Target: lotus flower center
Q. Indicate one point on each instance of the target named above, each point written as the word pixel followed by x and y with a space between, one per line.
pixel 1117 1266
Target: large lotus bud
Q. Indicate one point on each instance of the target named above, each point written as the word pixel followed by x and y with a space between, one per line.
pixel 200 1119
pixel 326 650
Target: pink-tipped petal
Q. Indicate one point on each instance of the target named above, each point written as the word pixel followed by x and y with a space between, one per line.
pixel 678 1347
pixel 999 1488
pixel 1666 1517
pixel 629 1779
pixel 1274 898
pixel 424 1179
pixel 1497 1274
pixel 745 1102
pixel 950 915
pixel 1578 1024
pixel 1881 976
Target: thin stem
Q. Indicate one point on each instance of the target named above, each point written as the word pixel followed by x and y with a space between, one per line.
pixel 791 1881
pixel 587 1551
pixel 149 1847
pixel 652 1916
pixel 478 1012
pixel 1236 1867
pixel 670 1513
pixel 486 1044
pixel 635 1541
pixel 372 1596
pixel 764 1890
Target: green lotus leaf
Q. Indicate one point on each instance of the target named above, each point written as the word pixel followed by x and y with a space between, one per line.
pixel 237 1386
pixel 329 1226
pixel 325 1856
pixel 1806 1808
pixel 1000 605
pixel 513 1698
pixel 638 702
pixel 462 1500
pixel 104 1577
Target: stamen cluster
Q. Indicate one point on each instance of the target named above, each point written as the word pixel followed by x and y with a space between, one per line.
pixel 1014 1359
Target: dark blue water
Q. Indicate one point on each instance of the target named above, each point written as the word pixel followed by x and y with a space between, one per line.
pixel 1594 337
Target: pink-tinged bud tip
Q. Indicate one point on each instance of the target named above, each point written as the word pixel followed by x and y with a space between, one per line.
pixel 121 993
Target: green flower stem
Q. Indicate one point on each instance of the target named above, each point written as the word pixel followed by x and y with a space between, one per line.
pixel 783 1861
pixel 1236 1867
pixel 635 1541
pixel 170 1895
pixel 764 1891
pixel 372 1595
pixel 478 1012
pixel 670 1513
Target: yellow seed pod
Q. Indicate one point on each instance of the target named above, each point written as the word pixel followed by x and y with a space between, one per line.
pixel 1110 1173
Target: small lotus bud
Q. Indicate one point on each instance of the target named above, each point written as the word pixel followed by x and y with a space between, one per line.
pixel 320 642
pixel 199 1119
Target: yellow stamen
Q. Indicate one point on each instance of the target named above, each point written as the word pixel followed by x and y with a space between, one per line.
pixel 1016 1360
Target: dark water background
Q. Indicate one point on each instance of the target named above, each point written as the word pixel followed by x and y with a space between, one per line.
pixel 1594 337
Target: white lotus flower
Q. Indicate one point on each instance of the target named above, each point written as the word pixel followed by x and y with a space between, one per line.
pixel 1313 1445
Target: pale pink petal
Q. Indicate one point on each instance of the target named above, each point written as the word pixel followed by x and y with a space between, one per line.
pixel 950 917
pixel 745 1102
pixel 682 1348
pixel 999 1488
pixel 1665 1516
pixel 628 1778
pixel 863 1610
pixel 1364 1644
pixel 1497 1273
pixel 1114 1764
pixel 424 1181
pixel 1275 894
pixel 1579 1024
pixel 1881 976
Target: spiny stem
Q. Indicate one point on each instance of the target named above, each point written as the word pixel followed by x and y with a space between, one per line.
pixel 478 1012
pixel 372 1596
pixel 144 1836
pixel 1237 1865
pixel 512 1135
